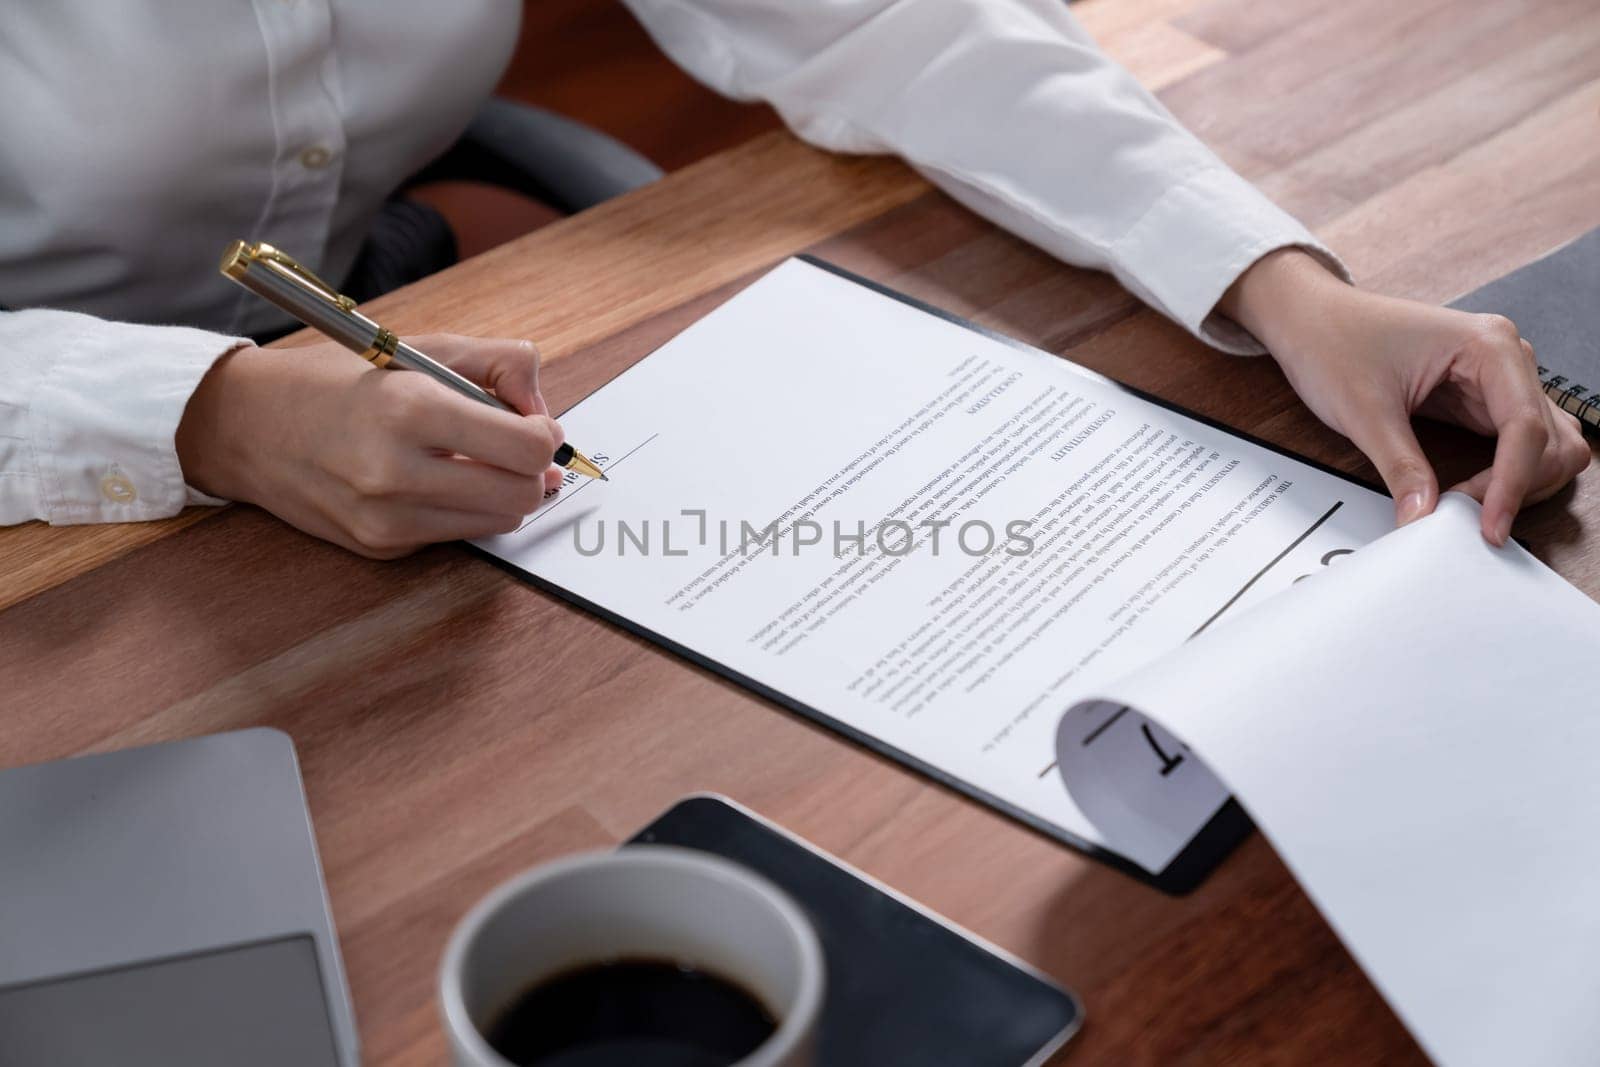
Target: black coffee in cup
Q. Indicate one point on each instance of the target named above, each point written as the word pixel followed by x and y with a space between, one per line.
pixel 631 1013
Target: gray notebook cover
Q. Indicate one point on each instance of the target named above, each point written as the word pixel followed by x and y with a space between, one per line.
pixel 1555 302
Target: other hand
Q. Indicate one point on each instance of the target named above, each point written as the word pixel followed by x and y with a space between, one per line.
pixel 1366 363
pixel 380 462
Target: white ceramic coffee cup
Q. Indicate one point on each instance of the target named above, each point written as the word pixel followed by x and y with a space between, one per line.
pixel 643 901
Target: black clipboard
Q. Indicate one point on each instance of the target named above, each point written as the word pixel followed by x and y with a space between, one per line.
pixel 1205 851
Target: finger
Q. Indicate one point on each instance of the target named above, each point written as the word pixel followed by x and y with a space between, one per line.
pixel 431 479
pixel 1475 486
pixel 388 530
pixel 1518 456
pixel 1517 409
pixel 1389 441
pixel 1570 455
pixel 1574 451
pixel 435 417
pixel 509 367
pixel 1567 453
pixel 1565 456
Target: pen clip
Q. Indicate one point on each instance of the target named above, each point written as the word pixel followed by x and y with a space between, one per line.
pixel 274 258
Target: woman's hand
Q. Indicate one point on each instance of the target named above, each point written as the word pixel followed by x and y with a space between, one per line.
pixel 381 462
pixel 1365 364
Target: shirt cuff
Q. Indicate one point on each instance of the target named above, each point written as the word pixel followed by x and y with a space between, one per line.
pixel 105 416
pixel 1196 240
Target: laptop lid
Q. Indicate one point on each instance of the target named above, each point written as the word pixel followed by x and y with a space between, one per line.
pixel 165 905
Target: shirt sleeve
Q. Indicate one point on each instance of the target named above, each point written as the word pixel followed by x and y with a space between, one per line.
pixel 1009 107
pixel 88 413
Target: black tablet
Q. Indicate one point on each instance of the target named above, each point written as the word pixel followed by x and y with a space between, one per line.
pixel 904 985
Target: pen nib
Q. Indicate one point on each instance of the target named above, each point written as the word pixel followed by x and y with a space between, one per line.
pixel 585 466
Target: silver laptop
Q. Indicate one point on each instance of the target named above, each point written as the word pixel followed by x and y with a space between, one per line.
pixel 164 905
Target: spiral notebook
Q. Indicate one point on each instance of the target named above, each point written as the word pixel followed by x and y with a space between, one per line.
pixel 1555 302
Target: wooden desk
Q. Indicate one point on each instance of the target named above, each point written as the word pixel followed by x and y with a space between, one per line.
pixel 1435 143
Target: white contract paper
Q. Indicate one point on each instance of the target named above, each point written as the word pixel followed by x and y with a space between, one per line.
pixel 937 539
pixel 1415 730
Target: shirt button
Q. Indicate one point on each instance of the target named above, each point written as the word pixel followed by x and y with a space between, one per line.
pixel 118 490
pixel 315 158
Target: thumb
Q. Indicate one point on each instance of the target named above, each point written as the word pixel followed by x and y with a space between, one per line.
pixel 509 367
pixel 1391 444
pixel 514 376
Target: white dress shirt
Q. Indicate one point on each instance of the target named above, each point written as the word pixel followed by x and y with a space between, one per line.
pixel 137 138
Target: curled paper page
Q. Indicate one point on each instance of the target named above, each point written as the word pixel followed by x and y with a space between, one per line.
pixel 1415 731
pixel 1139 785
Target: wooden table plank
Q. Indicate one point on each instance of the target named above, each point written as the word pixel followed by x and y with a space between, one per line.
pixel 442 751
pixel 1441 125
pixel 35 557
pixel 1506 200
pixel 1146 37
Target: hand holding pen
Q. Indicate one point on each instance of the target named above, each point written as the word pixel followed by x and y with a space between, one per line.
pixel 277 277
pixel 378 463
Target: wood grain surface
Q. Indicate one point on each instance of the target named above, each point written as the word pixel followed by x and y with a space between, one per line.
pixel 1435 144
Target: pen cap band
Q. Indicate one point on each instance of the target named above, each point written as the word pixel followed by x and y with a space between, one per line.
pixel 381 350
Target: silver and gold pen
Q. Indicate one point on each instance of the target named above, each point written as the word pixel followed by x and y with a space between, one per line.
pixel 277 277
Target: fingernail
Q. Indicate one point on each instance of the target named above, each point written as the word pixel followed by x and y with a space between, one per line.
pixel 1411 506
pixel 1502 530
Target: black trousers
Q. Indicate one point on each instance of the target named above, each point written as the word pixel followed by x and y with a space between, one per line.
pixel 408 242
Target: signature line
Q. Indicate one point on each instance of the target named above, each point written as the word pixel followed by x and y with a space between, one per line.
pixel 587 482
